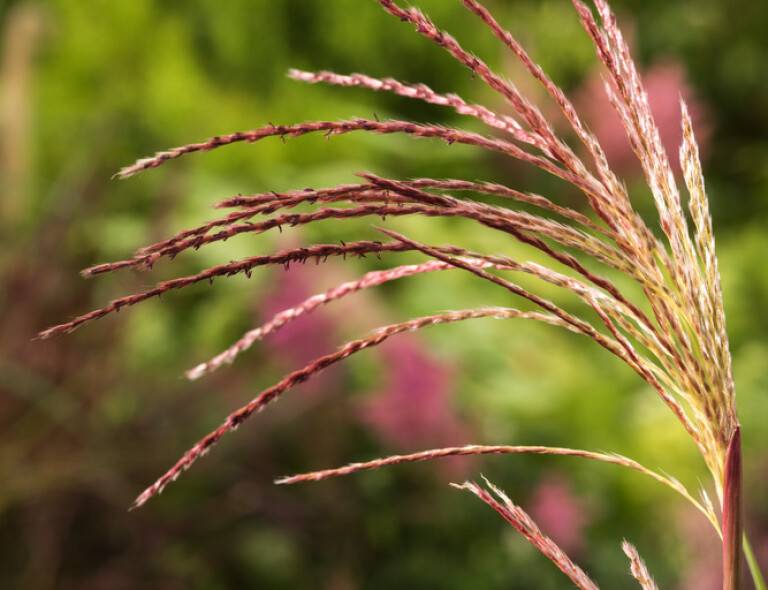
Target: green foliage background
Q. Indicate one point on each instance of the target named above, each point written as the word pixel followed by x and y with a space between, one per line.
pixel 88 420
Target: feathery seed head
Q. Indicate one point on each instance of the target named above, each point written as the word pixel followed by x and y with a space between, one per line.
pixel 679 346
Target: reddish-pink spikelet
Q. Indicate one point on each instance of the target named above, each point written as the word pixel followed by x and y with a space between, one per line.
pixel 236 418
pixel 525 525
pixel 300 255
pixel 446 134
pixel 371 279
pixel 420 92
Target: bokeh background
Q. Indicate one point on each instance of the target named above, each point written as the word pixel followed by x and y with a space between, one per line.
pixel 88 420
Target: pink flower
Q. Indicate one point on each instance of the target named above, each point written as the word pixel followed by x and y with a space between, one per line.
pixel 561 514
pixel 307 337
pixel 414 410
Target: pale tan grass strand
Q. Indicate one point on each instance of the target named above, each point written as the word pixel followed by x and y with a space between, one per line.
pixel 638 567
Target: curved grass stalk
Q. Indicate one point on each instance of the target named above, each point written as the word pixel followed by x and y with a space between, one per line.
pixel 525 525
pixel 173 249
pixel 580 325
pixel 296 255
pixel 271 394
pixel 525 227
pixel 615 308
pixel 330 128
pixel 480 187
pixel 281 319
pixel 266 204
pixel 419 92
pixel 473 450
pixel 494 217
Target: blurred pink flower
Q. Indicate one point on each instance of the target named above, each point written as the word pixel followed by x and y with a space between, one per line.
pixel 307 337
pixel 665 83
pixel 414 410
pixel 561 514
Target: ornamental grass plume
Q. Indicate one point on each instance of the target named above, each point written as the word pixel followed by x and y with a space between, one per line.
pixel 674 338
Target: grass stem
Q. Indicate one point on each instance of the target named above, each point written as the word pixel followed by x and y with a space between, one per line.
pixel 754 567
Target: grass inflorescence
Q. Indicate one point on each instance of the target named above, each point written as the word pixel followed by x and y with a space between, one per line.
pixel 673 337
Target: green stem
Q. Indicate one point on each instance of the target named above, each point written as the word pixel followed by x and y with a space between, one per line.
pixel 754 567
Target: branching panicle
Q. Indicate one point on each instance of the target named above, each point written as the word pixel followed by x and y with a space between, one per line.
pixel 674 338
